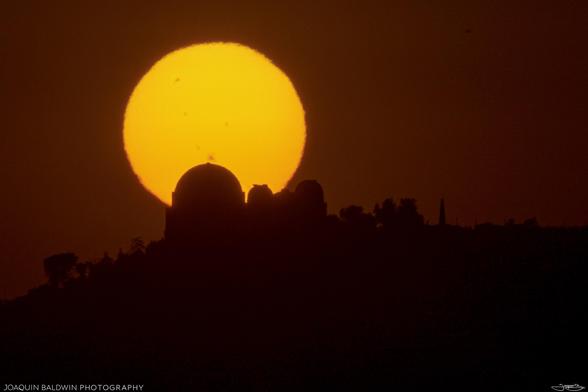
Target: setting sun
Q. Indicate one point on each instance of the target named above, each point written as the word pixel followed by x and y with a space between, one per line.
pixel 222 103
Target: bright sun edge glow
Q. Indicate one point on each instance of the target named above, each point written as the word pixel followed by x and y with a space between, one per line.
pixel 222 103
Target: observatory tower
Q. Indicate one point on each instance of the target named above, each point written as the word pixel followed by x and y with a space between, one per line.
pixel 208 199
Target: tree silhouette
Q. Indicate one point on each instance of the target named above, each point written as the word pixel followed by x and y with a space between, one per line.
pixel 531 223
pixel 385 215
pixel 408 215
pixel 404 216
pixel 137 245
pixel 82 269
pixel 354 216
pixel 58 267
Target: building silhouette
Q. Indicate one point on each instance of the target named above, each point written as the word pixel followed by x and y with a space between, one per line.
pixel 310 200
pixel 260 198
pixel 208 205
pixel 208 200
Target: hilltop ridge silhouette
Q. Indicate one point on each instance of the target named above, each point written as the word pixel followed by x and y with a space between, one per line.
pixel 276 294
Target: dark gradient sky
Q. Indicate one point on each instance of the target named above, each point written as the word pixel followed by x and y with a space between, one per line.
pixel 483 104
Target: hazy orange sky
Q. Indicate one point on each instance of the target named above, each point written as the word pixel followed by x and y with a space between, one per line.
pixel 484 104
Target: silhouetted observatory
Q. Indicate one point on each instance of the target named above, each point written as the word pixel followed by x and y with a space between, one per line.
pixel 208 206
pixel 311 200
pixel 260 197
pixel 207 198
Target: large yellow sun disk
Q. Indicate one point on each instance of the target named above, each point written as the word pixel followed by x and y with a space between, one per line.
pixel 218 102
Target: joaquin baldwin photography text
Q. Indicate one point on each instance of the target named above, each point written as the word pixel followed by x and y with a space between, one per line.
pixel 72 387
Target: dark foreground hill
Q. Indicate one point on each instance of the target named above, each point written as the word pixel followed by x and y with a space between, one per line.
pixel 331 306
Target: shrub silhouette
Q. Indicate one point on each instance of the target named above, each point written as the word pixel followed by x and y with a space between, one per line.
pixel 58 267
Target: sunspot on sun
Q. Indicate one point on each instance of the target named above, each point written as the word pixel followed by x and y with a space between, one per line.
pixel 231 102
